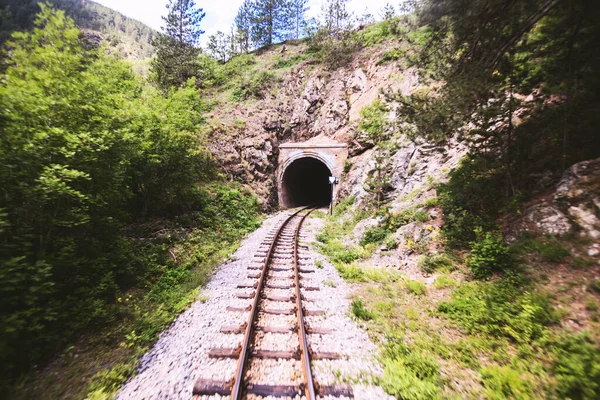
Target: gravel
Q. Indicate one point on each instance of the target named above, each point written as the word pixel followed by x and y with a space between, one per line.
pixel 180 356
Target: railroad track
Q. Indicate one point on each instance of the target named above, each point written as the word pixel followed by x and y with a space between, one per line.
pixel 275 345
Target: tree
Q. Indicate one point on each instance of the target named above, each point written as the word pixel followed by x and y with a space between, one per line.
pixel 366 17
pixel 297 9
pixel 270 22
pixel 336 19
pixel 219 46
pixel 388 12
pixel 243 25
pixel 177 46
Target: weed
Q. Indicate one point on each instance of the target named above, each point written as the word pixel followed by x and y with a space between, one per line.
pixel 430 263
pixel 444 281
pixel 289 62
pixel 373 235
pixel 576 365
pixel 416 287
pixel 489 253
pixel 431 202
pixel 329 282
pixel 595 286
pixel 319 264
pixel 548 248
pixel 350 273
pixel 360 311
pixel 347 166
pixel 390 243
pixel 581 263
pixel 591 305
pixel 505 383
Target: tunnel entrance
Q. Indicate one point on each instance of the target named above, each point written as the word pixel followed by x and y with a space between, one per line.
pixel 306 181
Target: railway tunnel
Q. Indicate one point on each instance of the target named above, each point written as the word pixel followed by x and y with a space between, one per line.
pixel 306 181
pixel 304 170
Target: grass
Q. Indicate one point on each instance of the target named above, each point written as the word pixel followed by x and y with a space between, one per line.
pixel 497 339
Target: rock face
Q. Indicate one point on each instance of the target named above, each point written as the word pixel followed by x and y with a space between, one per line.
pixel 574 206
pixel 309 101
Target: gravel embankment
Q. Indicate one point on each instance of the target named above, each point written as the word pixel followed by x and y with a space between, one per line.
pixel 180 355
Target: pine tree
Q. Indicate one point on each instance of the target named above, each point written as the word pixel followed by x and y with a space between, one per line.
pixel 219 46
pixel 177 46
pixel 269 22
pixel 297 10
pixel 388 12
pixel 243 24
pixel 336 18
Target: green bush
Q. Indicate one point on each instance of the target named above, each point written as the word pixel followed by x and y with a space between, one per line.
pixel 489 254
pixel 430 263
pixel 548 248
pixel 373 234
pixel 500 310
pixel 351 273
pixel 504 383
pixel 409 373
pixel 576 366
pixel 253 84
pixel 289 62
pixel 360 311
pixel 443 281
pixel 416 287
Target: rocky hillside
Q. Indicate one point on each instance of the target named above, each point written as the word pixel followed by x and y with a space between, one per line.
pixel 126 37
pixel 471 292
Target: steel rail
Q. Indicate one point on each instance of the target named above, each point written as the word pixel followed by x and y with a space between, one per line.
pixel 309 387
pixel 238 387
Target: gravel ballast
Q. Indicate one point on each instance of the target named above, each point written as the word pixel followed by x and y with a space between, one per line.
pixel 180 356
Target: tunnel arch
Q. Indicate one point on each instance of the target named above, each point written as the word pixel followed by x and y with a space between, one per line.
pixel 304 181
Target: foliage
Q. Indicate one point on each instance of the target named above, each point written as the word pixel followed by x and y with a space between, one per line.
pixel 360 311
pixel 501 310
pixel 408 373
pixel 86 150
pixel 253 85
pixel 549 248
pixel 416 287
pixel 430 263
pixel 505 383
pixel 373 234
pixel 489 253
pixel 176 47
pixel 125 36
pixel 576 365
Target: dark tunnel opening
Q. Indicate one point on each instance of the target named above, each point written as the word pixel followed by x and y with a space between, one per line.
pixel 306 181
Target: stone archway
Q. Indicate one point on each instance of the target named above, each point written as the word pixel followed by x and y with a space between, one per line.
pixel 304 168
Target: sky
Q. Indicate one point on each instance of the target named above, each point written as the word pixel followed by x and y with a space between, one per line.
pixel 220 14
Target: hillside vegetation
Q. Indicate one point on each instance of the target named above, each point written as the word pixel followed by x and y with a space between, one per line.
pixel 475 270
pixel 126 37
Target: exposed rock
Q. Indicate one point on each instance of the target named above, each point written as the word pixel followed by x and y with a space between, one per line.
pixel 575 204
pixel 548 219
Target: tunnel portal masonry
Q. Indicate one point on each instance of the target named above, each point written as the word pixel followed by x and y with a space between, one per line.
pixel 304 168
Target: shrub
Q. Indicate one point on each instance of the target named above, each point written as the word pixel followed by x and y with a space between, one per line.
pixel 505 383
pixel 408 373
pixel 373 234
pixel 416 287
pixel 548 248
pixel 489 254
pixel 351 273
pixel 576 366
pixel 443 281
pixel 430 263
pixel 500 310
pixel 360 311
pixel 391 243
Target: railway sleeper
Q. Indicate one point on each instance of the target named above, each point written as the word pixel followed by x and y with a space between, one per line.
pixel 274 329
pixel 234 328
pixel 210 387
pixel 335 390
pixel 277 354
pixel 225 352
pixel 317 330
pixel 247 285
pixel 239 309
pixel 278 286
pixel 279 298
pixel 273 390
pixel 279 311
